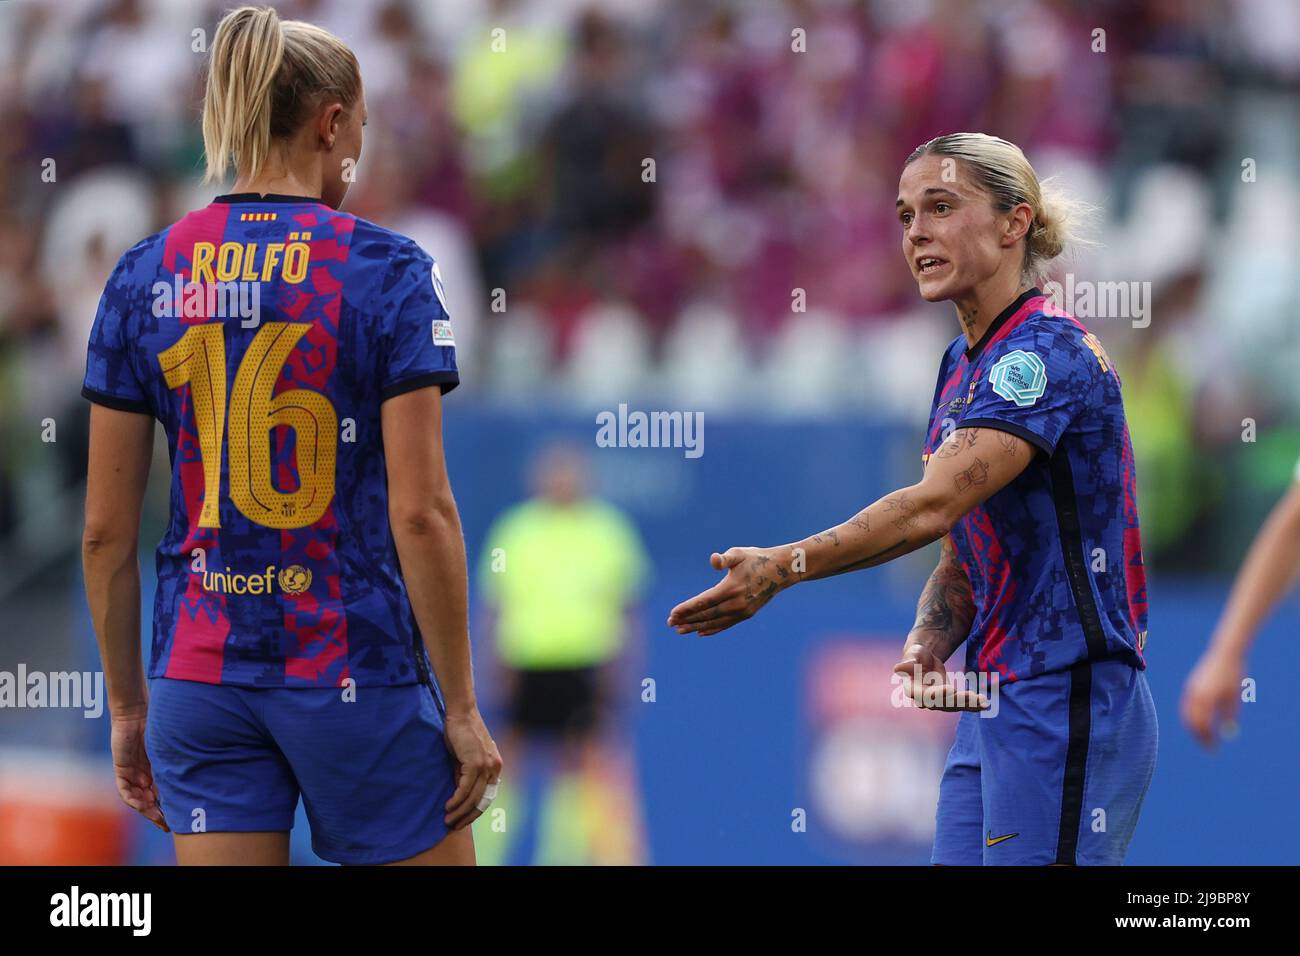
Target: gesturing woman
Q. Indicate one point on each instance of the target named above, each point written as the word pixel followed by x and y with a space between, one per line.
pixel 1029 483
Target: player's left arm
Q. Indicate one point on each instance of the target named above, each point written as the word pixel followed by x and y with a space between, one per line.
pixel 969 467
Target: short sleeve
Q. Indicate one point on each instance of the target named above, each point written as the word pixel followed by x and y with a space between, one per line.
pixel 418 349
pixel 933 430
pixel 939 381
pixel 110 378
pixel 1034 386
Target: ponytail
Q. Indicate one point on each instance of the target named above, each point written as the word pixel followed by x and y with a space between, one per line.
pixel 263 76
pixel 246 55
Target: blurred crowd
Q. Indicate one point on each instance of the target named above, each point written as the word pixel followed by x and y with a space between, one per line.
pixel 627 197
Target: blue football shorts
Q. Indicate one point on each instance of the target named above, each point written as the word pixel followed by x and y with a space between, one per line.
pixel 1057 776
pixel 374 773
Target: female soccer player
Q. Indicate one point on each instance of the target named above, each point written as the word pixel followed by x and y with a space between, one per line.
pixel 1029 484
pixel 310 627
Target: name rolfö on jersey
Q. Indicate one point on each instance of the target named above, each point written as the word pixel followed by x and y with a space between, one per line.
pixel 1054 557
pixel 264 333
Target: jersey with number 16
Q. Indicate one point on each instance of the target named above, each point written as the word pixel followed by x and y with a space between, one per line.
pixel 264 332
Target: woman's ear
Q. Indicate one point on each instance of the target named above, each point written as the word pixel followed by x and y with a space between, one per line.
pixel 330 118
pixel 1019 222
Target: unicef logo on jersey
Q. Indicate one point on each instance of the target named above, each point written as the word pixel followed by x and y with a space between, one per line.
pixel 1019 377
pixel 295 579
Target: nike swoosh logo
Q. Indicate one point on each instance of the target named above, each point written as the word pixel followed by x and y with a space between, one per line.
pixel 991 840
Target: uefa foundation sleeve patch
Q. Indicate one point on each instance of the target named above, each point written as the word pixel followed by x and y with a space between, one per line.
pixel 1019 377
pixel 442 333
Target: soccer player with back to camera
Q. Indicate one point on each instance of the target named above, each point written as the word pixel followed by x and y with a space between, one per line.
pixel 1028 483
pixel 310 628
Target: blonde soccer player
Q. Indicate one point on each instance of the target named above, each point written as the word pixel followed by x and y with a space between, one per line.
pixel 310 630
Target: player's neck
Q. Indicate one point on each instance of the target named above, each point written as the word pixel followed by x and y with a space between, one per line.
pixel 281 181
pixel 977 310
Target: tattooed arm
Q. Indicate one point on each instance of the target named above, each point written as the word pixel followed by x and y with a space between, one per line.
pixel 946 609
pixel 971 465
pixel 943 619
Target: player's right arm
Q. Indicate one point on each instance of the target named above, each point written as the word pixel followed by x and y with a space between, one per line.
pixel 121 445
pixel 1213 691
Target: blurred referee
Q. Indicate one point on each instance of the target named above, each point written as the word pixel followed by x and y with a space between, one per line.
pixel 560 573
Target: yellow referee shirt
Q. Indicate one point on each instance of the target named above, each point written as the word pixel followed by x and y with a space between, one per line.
pixel 560 577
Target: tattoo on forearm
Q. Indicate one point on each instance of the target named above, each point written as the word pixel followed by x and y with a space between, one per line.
pixel 903 517
pixel 946 608
pixel 905 508
pixel 869 560
pixel 933 613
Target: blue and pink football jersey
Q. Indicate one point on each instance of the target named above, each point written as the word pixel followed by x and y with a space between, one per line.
pixel 1055 557
pixel 264 332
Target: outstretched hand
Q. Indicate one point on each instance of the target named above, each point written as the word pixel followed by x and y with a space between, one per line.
pixel 754 576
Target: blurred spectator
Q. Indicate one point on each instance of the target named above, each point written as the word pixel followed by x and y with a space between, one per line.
pixel 510 137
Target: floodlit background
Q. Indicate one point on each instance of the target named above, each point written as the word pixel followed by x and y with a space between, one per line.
pixel 777 132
